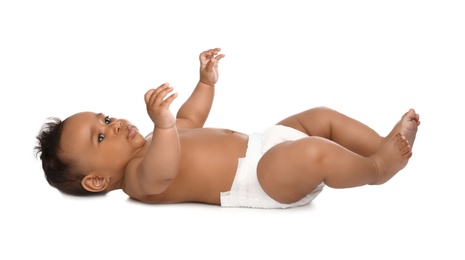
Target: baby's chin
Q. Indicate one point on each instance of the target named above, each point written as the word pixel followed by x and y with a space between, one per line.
pixel 138 140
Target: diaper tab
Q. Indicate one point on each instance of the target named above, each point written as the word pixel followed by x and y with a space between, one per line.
pixel 254 144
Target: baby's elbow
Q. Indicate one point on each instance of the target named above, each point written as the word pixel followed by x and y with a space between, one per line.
pixel 157 181
pixel 156 187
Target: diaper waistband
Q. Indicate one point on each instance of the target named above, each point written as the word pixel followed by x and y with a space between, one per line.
pixel 254 144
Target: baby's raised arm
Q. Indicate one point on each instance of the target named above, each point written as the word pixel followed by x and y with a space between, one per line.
pixel 153 173
pixel 194 112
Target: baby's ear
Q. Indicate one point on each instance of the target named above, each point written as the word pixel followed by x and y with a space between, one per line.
pixel 94 183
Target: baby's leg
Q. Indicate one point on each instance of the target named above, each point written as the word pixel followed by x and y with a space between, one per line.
pixel 335 126
pixel 291 170
pixel 348 132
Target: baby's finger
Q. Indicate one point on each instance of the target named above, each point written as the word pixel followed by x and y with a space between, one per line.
pixel 160 91
pixel 161 96
pixel 167 102
pixel 215 50
pixel 152 93
pixel 219 57
pixel 147 95
pixel 208 54
pixel 161 88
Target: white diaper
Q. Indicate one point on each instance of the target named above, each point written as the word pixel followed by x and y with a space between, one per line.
pixel 246 190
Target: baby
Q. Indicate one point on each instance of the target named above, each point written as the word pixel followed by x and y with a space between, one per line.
pixel 286 165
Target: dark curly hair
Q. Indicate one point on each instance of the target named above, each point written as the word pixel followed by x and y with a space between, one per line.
pixel 60 173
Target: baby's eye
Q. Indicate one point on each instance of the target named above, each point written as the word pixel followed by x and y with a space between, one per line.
pixel 100 138
pixel 107 120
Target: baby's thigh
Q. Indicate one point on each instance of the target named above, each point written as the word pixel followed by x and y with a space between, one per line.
pixel 286 173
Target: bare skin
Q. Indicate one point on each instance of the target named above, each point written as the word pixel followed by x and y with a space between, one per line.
pixel 340 151
pixel 180 161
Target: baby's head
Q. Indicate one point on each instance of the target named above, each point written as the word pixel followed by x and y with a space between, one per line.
pixel 87 153
pixel 60 173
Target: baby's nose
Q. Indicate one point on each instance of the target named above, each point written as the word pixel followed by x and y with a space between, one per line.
pixel 117 126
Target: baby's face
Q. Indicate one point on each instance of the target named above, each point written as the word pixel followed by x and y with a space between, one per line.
pixel 100 143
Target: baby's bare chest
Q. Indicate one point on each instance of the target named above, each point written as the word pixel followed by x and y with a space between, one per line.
pixel 208 164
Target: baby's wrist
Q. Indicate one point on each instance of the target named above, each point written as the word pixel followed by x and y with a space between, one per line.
pixel 164 128
pixel 207 83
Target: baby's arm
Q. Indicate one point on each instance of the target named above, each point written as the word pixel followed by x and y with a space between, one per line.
pixel 194 112
pixel 153 173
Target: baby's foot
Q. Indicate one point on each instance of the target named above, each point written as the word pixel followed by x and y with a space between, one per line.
pixel 407 125
pixel 392 157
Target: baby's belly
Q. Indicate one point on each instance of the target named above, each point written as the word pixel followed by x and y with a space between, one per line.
pixel 208 166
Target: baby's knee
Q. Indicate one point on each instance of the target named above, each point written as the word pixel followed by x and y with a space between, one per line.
pixel 322 109
pixel 314 150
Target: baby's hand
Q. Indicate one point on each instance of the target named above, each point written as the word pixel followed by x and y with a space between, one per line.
pixel 209 66
pixel 158 106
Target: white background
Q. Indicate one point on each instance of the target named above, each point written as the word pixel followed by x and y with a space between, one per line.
pixel 371 60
